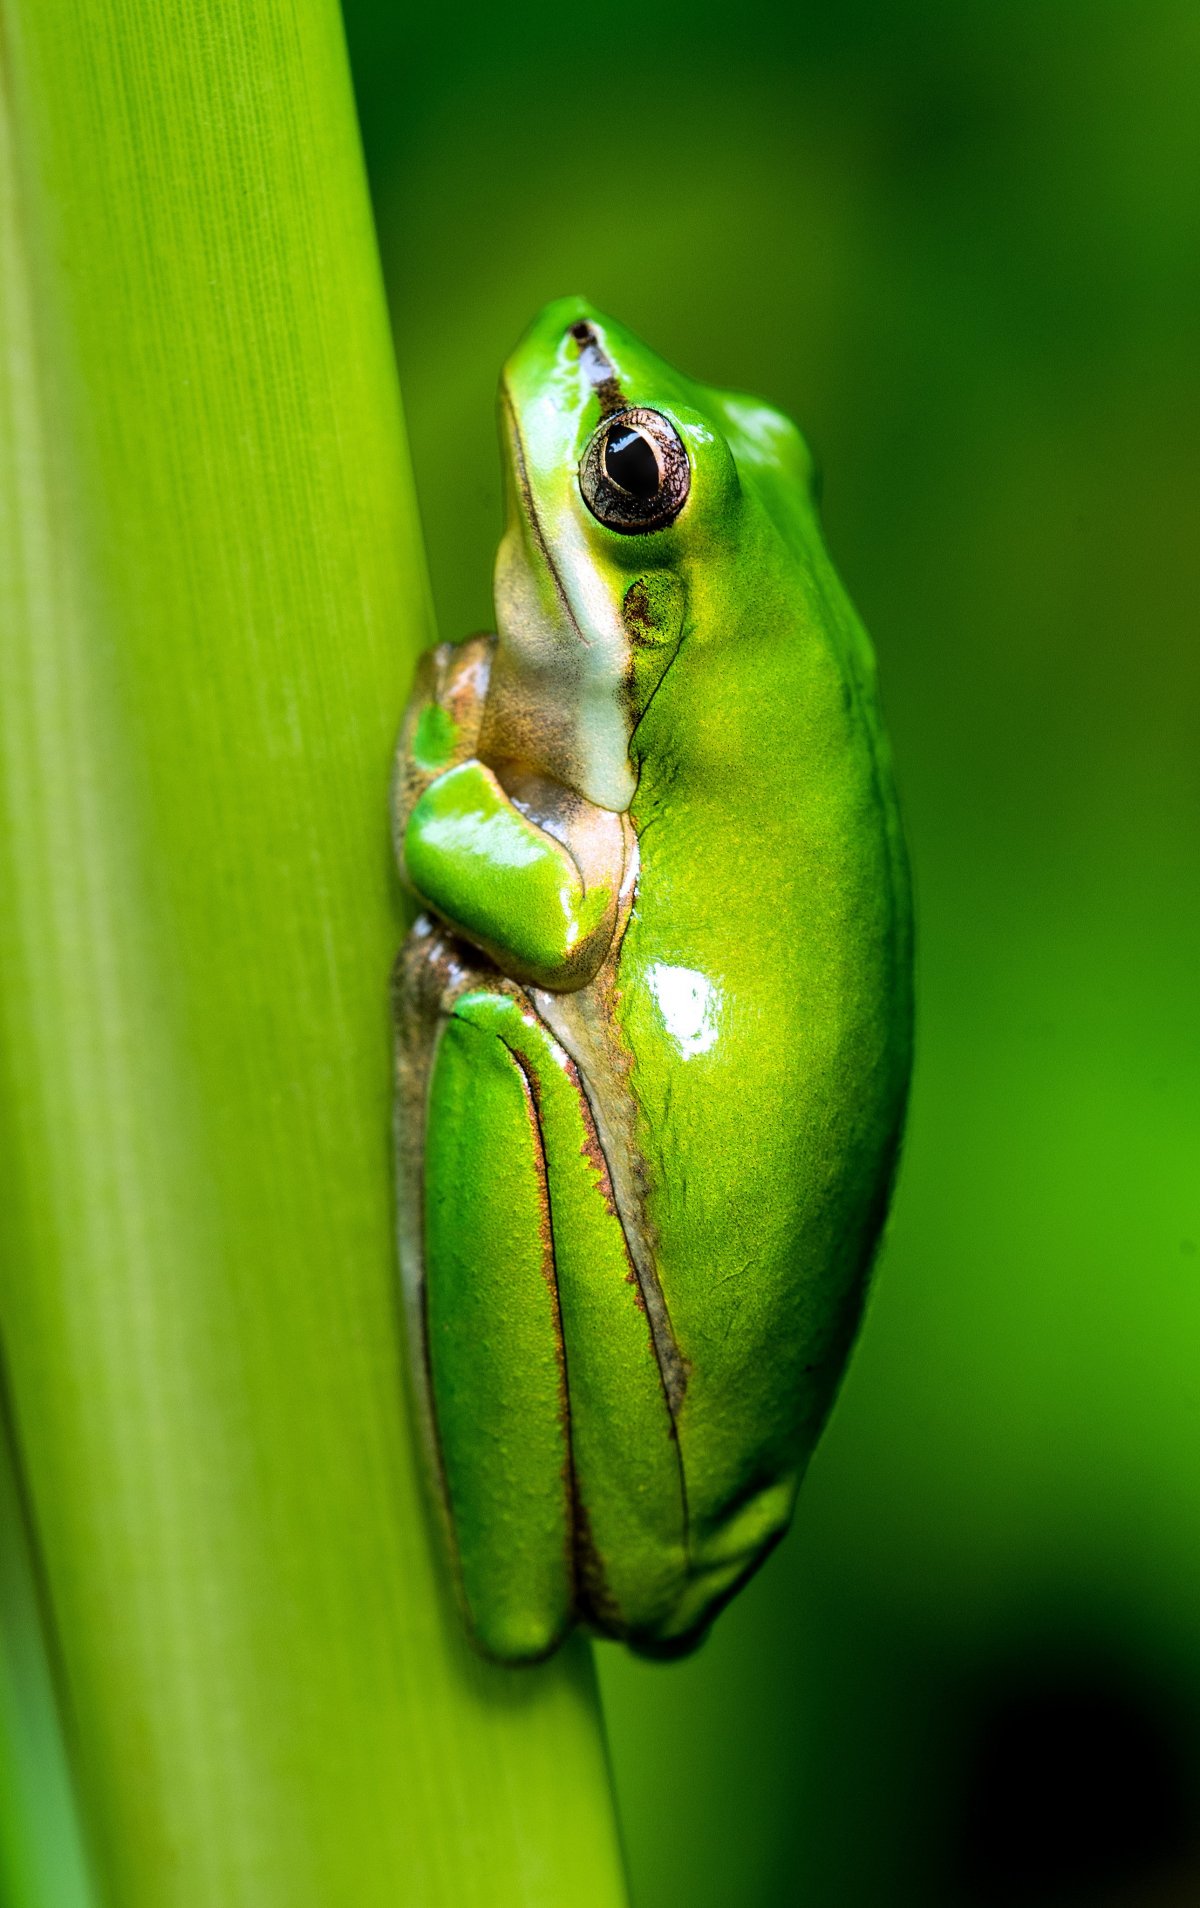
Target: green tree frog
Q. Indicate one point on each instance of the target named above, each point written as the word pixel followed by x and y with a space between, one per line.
pixel 653 1023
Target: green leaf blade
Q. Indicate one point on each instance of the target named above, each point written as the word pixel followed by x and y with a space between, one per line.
pixel 212 591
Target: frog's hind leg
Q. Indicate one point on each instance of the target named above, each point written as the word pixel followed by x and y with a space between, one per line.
pixel 494 1342
pixel 628 1504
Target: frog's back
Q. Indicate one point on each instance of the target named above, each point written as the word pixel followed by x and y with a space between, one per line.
pixel 766 1007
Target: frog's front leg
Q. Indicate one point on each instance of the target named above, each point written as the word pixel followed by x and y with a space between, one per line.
pixel 539 885
pixel 442 722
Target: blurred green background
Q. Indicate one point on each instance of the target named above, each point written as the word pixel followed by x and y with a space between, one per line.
pixel 961 244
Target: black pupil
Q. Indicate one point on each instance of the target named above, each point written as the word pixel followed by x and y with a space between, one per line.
pixel 629 462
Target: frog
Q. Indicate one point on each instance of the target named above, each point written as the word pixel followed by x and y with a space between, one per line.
pixel 654 1015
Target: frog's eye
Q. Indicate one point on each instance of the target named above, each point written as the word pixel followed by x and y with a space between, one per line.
pixel 634 474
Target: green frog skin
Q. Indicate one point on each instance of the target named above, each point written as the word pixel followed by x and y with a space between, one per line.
pixel 653 1023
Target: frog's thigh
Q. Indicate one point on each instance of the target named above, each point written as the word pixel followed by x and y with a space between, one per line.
pixel 495 1346
pixel 630 1521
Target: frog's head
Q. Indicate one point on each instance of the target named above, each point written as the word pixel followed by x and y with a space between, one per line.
pixel 627 499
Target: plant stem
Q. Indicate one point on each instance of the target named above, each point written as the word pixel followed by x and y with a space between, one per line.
pixel 42 1862
pixel 211 591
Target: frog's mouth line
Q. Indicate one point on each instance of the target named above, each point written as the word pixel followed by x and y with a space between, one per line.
pixel 521 470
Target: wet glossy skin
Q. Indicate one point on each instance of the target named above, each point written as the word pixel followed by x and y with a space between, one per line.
pixel 654 1025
